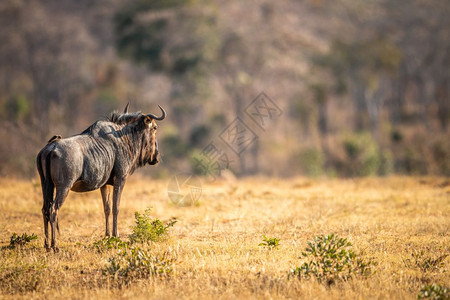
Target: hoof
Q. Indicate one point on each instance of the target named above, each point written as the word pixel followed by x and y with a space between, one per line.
pixel 55 249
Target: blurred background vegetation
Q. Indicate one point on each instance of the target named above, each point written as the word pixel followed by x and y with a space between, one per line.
pixel 364 85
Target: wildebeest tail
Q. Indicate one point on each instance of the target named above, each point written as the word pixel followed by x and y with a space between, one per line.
pixel 46 182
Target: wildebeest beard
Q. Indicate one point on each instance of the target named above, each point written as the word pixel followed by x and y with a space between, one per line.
pixel 149 151
pixel 155 159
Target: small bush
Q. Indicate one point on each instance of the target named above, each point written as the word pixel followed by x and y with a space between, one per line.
pixel 311 161
pixel 135 263
pixel 329 259
pixel 18 107
pixel 425 263
pixel 362 155
pixel 21 240
pixel 270 242
pixel 396 136
pixel 109 243
pixel 435 292
pixel 148 229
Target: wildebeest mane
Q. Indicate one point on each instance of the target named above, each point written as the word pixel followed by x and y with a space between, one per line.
pixel 90 128
pixel 124 118
pixel 117 118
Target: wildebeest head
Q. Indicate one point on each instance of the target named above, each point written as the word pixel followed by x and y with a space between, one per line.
pixel 144 126
pixel 150 144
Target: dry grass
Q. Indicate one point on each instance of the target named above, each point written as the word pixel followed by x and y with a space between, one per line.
pixel 216 242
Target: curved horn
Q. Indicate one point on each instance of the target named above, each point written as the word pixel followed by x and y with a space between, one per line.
pixel 125 111
pixel 158 118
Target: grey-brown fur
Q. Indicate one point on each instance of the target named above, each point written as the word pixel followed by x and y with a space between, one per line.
pixel 103 155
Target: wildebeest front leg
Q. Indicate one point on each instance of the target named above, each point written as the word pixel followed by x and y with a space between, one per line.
pixel 118 187
pixel 106 193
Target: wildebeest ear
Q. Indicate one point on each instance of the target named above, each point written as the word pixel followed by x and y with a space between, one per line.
pixel 147 120
pixel 125 111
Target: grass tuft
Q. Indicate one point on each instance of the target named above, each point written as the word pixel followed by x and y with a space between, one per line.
pixel 426 263
pixel 270 243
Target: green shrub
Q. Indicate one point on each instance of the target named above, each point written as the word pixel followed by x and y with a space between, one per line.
pixel 362 155
pixel 148 229
pixel 136 263
pixel 199 135
pixel 311 161
pixel 270 242
pixel 18 107
pixel 330 259
pixel 21 240
pixel 396 136
pixel 435 292
pixel 109 243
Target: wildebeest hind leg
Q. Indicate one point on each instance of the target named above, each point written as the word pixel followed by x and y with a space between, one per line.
pixel 106 194
pixel 61 194
pixel 46 217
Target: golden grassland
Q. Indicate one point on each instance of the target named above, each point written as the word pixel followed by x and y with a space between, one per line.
pixel 215 243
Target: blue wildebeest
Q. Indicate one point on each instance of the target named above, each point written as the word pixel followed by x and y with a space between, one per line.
pixel 103 155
